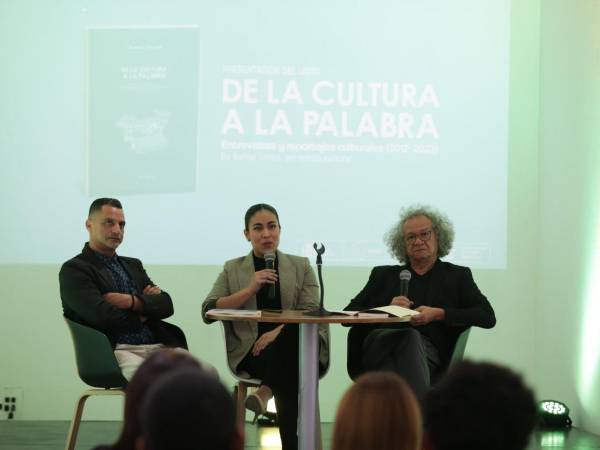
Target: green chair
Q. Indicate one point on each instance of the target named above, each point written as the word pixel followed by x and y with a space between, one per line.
pixel 97 367
pixel 459 347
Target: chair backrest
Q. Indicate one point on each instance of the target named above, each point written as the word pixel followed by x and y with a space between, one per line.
pixel 238 376
pixel 177 334
pixel 96 362
pixel 459 347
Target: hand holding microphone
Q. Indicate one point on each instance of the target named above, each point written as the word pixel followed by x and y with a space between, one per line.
pixel 265 276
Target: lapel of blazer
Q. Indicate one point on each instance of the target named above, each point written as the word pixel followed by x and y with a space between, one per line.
pixel 287 280
pixel 132 274
pixel 245 274
pixel 104 272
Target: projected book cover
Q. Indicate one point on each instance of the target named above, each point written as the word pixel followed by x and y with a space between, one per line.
pixel 142 110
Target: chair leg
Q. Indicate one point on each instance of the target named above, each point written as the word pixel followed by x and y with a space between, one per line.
pixel 241 403
pixel 74 428
pixel 318 427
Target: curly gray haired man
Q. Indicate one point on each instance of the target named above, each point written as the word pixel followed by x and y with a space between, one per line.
pixel 440 226
pixel 444 294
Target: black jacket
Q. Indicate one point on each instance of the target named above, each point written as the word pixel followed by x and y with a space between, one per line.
pixel 451 287
pixel 84 279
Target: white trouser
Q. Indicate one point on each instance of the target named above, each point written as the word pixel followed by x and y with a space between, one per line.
pixel 130 357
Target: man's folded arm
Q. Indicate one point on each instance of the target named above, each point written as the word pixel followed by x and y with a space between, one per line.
pixel 82 300
pixel 154 306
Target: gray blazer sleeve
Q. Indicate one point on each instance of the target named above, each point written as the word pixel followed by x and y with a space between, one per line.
pixel 220 289
pixel 309 292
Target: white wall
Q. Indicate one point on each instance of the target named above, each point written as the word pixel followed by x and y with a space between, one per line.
pixel 568 343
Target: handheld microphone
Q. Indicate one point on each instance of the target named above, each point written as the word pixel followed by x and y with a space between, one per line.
pixel 270 260
pixel 404 280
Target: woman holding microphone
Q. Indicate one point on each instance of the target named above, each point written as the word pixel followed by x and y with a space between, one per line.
pixel 265 350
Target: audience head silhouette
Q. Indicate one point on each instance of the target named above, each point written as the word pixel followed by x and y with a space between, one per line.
pixel 157 364
pixel 479 406
pixel 380 412
pixel 189 409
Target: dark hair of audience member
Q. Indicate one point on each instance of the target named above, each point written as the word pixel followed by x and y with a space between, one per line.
pixel 380 412
pixel 479 406
pixel 189 409
pixel 158 363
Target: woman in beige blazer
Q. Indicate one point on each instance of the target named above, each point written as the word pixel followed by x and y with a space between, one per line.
pixel 263 350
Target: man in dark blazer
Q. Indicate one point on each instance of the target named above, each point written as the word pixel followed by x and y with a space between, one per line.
pixel 444 294
pixel 113 294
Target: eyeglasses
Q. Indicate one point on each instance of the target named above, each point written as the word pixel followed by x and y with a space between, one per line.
pixel 422 236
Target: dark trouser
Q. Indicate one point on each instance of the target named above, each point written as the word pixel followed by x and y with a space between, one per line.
pixel 404 351
pixel 277 367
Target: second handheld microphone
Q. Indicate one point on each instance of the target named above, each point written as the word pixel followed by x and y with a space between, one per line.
pixel 404 280
pixel 270 260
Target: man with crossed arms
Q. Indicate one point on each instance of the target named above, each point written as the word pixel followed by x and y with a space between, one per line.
pixel 113 294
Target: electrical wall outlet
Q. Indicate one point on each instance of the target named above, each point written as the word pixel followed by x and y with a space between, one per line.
pixel 11 403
